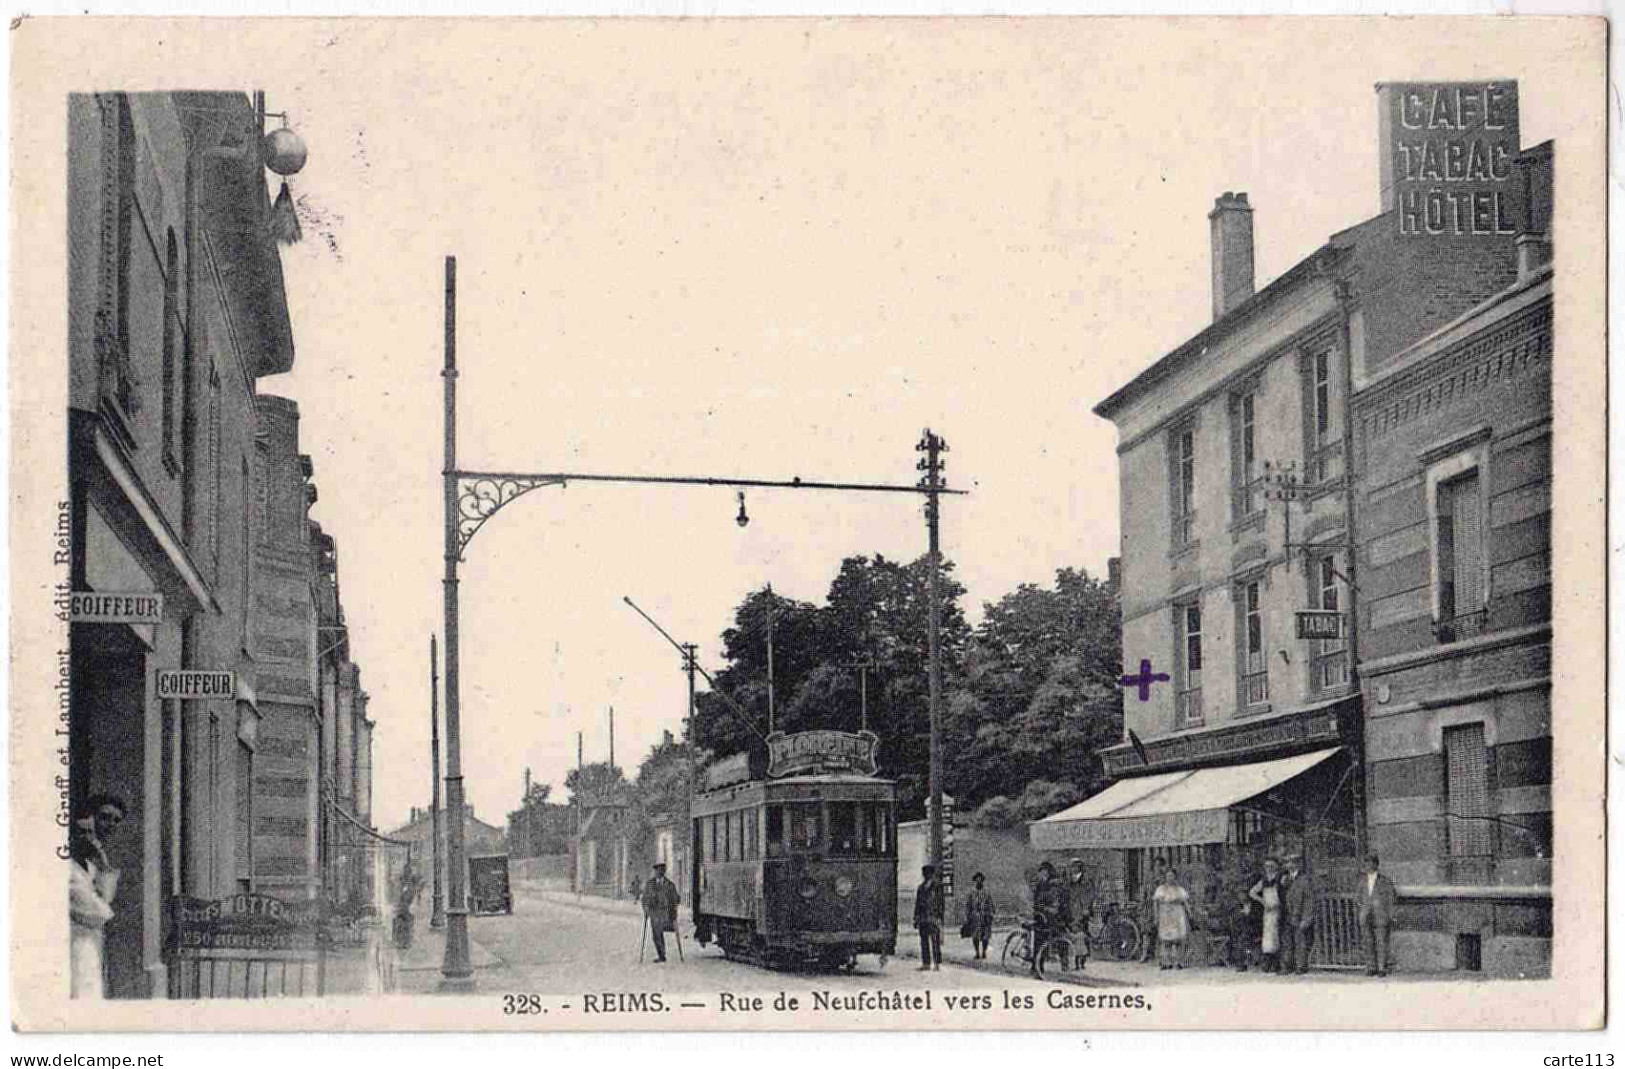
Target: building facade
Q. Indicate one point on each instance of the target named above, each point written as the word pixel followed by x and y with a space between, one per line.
pixel 1250 513
pixel 176 310
pixel 287 762
pixel 185 483
pixel 1455 448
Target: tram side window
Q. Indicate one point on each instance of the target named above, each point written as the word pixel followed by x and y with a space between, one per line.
pixel 753 834
pixel 775 831
pixel 728 850
pixel 878 839
pixel 713 855
pixel 843 829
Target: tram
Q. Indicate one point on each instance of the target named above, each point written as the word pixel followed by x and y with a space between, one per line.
pixel 795 864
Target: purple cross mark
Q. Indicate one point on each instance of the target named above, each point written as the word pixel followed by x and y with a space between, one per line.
pixel 1144 680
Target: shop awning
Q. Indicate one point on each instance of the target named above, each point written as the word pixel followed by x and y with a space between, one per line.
pixel 1170 809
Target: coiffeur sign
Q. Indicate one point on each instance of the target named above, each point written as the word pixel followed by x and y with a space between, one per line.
pixel 821 751
pixel 1448 150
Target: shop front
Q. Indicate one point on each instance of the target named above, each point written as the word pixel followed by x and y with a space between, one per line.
pixel 1214 804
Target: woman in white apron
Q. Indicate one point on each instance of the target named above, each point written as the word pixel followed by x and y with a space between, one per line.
pixel 1267 893
pixel 91 887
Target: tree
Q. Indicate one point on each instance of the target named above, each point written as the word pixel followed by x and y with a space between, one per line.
pixel 1040 695
pixel 595 782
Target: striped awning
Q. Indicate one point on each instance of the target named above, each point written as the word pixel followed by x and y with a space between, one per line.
pixel 1170 809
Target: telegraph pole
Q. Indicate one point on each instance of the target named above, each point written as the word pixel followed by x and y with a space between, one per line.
pixel 437 914
pixel 770 658
pixel 933 447
pixel 457 969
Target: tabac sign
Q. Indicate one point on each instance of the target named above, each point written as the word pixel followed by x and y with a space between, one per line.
pixel 821 751
pixel 1320 623
pixel 1447 153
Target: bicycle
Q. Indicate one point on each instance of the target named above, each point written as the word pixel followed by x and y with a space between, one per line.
pixel 1117 932
pixel 1054 954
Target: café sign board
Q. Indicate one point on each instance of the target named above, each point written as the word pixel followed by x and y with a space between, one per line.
pixel 821 751
pixel 191 684
pixel 1447 153
pixel 1320 623
pixel 95 607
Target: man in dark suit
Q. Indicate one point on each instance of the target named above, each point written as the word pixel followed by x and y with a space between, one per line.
pixel 1377 899
pixel 1300 917
pixel 928 913
pixel 660 899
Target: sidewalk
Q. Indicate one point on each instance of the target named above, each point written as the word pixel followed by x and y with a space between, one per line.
pixel 1107 972
pixel 428 949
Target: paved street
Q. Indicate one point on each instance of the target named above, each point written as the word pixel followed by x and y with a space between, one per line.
pixel 553 945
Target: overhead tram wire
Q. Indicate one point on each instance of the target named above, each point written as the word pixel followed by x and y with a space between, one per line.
pixel 739 713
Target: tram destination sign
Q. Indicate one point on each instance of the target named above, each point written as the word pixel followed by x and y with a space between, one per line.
pixel 191 684
pixel 821 751
pixel 1320 623
pixel 96 607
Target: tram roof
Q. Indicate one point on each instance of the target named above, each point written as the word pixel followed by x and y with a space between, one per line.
pixel 841 785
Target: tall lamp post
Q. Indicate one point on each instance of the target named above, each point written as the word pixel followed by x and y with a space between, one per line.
pixel 471 498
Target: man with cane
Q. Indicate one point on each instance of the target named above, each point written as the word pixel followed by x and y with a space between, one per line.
pixel 660 901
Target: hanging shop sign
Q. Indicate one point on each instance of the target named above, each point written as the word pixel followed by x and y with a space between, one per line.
pixel 96 607
pixel 1320 623
pixel 192 684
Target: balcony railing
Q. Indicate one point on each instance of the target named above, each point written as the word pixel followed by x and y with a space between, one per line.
pixel 1188 707
pixel 1465 625
pixel 1247 500
pixel 1331 669
pixel 1255 687
pixel 1184 529
pixel 1325 464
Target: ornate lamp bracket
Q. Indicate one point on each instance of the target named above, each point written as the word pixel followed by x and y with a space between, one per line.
pixel 481 495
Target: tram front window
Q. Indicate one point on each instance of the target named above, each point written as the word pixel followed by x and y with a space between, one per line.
pixel 804 821
pixel 843 829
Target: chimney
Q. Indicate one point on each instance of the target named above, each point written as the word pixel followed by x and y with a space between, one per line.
pixel 1231 222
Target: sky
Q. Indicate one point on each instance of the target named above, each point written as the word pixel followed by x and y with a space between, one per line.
pixel 758 250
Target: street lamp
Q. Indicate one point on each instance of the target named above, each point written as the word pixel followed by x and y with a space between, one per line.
pixel 471 498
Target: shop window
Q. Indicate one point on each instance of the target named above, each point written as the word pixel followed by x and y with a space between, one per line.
pixel 1469 825
pixel 1182 474
pixel 1188 696
pixel 1252 661
pixel 1459 553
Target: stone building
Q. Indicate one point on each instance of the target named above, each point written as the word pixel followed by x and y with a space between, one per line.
pixel 1455 456
pixel 176 309
pixel 1238 513
pixel 287 770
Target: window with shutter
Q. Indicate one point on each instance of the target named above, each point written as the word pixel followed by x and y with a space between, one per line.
pixel 1467 791
pixel 1459 546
